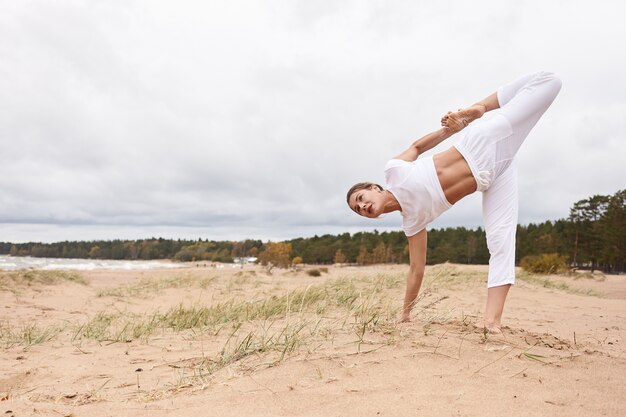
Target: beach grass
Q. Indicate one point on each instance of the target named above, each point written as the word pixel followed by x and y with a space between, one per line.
pixel 355 313
pixel 203 339
pixel 10 280
pixel 149 286
pixel 27 335
pixel 356 301
pixel 548 282
pixel 280 322
pixel 341 294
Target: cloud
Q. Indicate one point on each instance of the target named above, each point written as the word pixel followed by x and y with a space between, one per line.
pixel 218 116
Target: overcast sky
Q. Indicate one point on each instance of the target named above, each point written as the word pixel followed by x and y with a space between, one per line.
pixel 251 119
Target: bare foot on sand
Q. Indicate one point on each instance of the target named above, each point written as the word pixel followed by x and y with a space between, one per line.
pixel 490 328
pixel 404 318
pixel 457 120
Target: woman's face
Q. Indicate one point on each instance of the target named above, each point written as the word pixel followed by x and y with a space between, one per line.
pixel 367 203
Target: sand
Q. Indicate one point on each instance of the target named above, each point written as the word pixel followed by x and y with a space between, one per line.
pixel 238 342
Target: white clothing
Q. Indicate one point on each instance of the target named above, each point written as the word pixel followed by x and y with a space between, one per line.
pixel 417 188
pixel 489 147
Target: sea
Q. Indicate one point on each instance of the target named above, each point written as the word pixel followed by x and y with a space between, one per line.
pixel 11 263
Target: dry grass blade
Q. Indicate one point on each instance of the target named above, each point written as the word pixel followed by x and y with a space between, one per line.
pixel 535 357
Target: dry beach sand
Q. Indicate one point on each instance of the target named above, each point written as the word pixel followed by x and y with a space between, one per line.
pixel 238 342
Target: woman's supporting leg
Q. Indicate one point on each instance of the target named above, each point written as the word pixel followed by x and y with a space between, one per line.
pixel 496 296
pixel 500 204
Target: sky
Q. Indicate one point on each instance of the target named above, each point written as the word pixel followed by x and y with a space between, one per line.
pixel 241 119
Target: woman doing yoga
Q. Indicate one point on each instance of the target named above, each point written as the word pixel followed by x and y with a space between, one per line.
pixel 483 160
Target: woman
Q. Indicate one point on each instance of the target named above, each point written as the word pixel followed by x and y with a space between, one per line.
pixel 421 189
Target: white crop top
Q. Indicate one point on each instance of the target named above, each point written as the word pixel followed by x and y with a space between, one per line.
pixel 418 190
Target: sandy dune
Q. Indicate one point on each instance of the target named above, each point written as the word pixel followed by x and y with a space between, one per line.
pixel 231 342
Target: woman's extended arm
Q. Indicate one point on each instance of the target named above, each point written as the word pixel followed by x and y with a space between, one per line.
pixel 425 143
pixel 417 255
pixel 452 123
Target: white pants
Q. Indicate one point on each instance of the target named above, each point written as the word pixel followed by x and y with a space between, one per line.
pixel 489 147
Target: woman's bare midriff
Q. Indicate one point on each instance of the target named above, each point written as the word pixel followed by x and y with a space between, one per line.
pixel 455 175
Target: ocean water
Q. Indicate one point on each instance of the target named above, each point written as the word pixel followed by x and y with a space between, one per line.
pixel 26 262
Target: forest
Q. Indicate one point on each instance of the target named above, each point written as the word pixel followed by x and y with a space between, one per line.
pixel 593 236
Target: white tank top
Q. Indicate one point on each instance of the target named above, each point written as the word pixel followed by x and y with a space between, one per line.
pixel 417 188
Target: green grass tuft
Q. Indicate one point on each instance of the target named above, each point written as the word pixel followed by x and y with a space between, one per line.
pixel 27 335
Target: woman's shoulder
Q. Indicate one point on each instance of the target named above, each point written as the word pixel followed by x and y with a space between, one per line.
pixel 394 163
pixel 396 171
pixel 414 223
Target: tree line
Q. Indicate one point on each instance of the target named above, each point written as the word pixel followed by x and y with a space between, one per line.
pixel 144 249
pixel 593 236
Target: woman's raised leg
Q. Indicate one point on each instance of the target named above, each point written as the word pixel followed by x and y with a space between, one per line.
pixel 522 103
